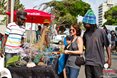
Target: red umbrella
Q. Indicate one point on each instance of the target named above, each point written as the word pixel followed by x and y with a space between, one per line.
pixel 34 16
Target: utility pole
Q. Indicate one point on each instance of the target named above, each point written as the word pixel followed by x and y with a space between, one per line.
pixel 8 9
pixel 12 10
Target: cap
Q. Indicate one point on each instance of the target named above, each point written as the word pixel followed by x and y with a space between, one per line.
pixel 89 17
pixel 21 14
pixel 46 21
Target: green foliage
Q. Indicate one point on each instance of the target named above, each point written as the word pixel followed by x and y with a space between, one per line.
pixel 111 16
pixel 66 11
pixel 12 60
pixel 4 20
pixel 18 6
pixel 77 7
pixel 2 6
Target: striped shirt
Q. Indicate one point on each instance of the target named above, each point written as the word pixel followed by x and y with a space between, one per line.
pixel 15 34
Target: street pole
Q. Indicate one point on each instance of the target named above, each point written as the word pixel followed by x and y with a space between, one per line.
pixel 12 10
pixel 8 9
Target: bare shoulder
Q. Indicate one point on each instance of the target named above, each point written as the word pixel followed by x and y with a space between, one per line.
pixel 79 38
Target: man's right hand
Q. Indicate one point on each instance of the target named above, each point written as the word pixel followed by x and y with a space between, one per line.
pixel 1 54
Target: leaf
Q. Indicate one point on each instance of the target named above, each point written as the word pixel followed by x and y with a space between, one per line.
pixel 12 60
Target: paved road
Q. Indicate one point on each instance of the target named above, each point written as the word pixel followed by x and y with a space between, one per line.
pixel 114 66
pixel 81 73
pixel 114 61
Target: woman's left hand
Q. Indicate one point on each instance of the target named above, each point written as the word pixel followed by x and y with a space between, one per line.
pixel 67 52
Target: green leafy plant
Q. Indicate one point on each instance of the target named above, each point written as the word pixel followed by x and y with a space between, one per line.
pixel 13 60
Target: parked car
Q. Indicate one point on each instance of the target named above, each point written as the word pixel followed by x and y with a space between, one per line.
pixel 58 38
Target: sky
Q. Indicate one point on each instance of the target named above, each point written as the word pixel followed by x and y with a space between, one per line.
pixel 33 3
pixel 94 3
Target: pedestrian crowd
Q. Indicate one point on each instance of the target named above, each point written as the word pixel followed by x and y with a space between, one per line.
pixel 112 36
pixel 92 45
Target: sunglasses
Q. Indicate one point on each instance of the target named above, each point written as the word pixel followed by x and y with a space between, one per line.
pixel 72 30
pixel 22 19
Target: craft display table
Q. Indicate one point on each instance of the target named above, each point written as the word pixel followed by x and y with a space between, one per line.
pixel 34 72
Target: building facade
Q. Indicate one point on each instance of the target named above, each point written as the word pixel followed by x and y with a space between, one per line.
pixel 102 9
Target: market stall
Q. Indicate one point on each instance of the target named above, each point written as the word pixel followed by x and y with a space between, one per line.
pixel 38 59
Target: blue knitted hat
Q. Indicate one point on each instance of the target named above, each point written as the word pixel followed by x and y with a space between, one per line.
pixel 89 17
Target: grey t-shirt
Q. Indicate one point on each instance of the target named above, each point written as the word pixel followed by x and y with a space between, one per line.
pixel 94 43
pixel 72 57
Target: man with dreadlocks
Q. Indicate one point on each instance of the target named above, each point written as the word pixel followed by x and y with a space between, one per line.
pixel 95 40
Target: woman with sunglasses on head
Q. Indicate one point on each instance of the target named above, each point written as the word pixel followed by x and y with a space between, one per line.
pixel 76 48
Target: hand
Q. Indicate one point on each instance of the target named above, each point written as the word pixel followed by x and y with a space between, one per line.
pixel 66 52
pixel 1 54
pixel 109 62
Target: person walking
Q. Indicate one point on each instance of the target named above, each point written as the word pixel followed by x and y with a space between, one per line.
pixel 38 33
pixel 108 34
pixel 75 49
pixel 1 38
pixel 95 40
pixel 14 36
pixel 113 40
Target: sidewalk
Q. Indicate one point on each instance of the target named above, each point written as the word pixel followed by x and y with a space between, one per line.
pixel 113 67
pixel 82 72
